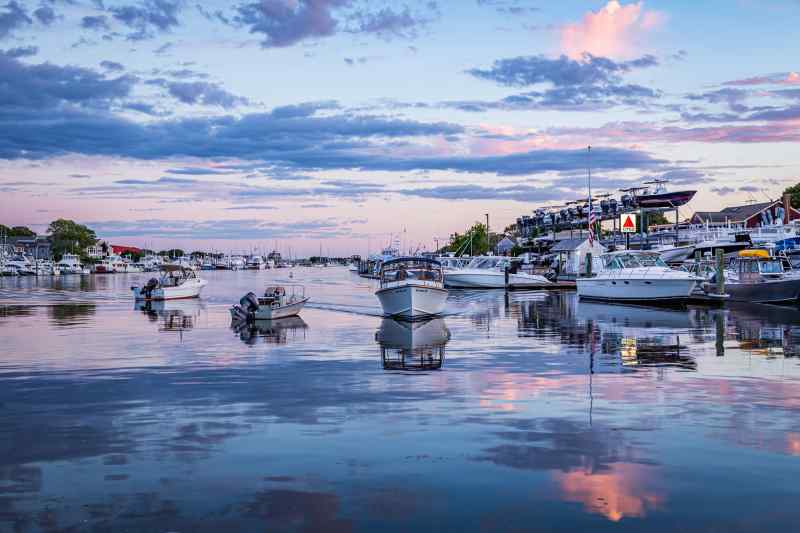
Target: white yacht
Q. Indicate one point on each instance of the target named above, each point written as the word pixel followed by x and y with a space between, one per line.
pixel 636 275
pixel 71 264
pixel 412 288
pixel 8 270
pixel 489 273
pixel 255 262
pixel 237 262
pixel 22 264
pixel 175 282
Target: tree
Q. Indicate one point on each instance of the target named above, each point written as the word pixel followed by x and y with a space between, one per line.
pixel 473 242
pixel 17 231
pixel 657 219
pixel 794 191
pixel 69 236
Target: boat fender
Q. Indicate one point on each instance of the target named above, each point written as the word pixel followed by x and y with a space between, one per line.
pixel 249 302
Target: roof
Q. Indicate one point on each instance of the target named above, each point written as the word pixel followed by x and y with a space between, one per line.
pixel 736 213
pixel 506 243
pixel 568 245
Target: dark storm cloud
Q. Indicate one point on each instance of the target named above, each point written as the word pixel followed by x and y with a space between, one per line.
pixel 12 17
pixel 525 71
pixel 148 17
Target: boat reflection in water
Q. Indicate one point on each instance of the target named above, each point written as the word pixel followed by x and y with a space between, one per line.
pixel 412 345
pixel 172 315
pixel 278 331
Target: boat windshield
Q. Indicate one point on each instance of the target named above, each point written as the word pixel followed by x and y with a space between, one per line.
pixel 486 263
pixel 770 267
pixel 633 261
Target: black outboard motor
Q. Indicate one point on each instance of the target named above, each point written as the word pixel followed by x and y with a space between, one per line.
pixel 249 302
pixel 605 206
pixel 613 205
pixel 148 289
pixel 627 201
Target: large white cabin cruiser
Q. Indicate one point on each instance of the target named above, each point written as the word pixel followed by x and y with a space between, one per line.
pixel 489 273
pixel 22 264
pixel 175 282
pixel 71 264
pixel 411 288
pixel 255 262
pixel 635 275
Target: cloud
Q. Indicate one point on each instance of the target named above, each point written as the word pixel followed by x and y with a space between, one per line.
pixel 112 66
pixel 20 51
pixel 47 85
pixel 194 171
pixel 586 84
pixel 723 191
pixel 615 30
pixel 95 23
pixel 519 193
pixel 12 18
pixel 779 78
pixel 251 208
pixel 45 15
pixel 286 23
pixel 149 17
pixel 202 92
pixel 749 188
pixel 525 71
pixel 388 23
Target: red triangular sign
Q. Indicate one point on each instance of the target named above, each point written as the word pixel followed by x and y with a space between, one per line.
pixel 628 223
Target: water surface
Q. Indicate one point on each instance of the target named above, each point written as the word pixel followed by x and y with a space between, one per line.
pixel 519 412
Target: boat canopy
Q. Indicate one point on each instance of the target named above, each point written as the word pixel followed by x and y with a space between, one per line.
pixel 420 260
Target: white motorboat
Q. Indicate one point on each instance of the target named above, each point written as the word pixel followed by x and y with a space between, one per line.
pixel 489 273
pixel 113 264
pixel 71 264
pixel 237 263
pixel 411 288
pixel 275 303
pixel 255 262
pixel 22 264
pixel 176 282
pixel 636 275
pixel 412 345
pixel 8 270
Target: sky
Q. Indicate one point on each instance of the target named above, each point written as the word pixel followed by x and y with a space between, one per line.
pixel 341 125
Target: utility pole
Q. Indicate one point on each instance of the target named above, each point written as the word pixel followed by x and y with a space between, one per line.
pixel 488 239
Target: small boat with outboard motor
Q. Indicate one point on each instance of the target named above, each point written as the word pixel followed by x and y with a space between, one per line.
pixel 278 301
pixel 752 276
pixel 412 288
pixel 175 282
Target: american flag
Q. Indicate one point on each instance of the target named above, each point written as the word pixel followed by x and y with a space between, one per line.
pixel 591 225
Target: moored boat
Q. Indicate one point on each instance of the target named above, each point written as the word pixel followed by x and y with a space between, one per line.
pixel 756 276
pixel 176 282
pixel 490 273
pixel 637 276
pixel 412 288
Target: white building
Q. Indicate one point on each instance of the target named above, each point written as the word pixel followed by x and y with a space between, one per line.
pixel 572 256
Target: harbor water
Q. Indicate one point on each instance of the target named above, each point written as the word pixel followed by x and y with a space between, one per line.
pixel 524 411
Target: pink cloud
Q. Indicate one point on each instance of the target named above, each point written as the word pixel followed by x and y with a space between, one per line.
pixel 613 31
pixel 780 78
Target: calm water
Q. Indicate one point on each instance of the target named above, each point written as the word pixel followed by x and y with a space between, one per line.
pixel 527 412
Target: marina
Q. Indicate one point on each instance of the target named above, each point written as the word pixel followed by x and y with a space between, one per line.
pixel 341 411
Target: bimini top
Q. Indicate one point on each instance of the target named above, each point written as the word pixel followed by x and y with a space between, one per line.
pixel 423 260
pixel 174 268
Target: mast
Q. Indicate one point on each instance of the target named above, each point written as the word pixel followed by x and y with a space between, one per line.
pixel 590 219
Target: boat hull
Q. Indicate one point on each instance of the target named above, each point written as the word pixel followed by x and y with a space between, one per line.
pixel 190 289
pixel 270 313
pixel 462 279
pixel 665 200
pixel 768 292
pixel 635 290
pixel 412 301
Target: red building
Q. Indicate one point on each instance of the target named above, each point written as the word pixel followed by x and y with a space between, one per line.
pixel 748 216
pixel 119 250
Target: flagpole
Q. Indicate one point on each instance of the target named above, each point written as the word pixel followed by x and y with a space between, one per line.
pixel 591 209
